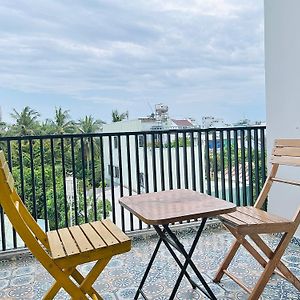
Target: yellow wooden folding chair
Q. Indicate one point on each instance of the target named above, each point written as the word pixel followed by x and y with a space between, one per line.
pixel 252 221
pixel 61 251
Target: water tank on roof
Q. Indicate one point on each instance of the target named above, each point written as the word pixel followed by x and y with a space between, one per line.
pixel 161 108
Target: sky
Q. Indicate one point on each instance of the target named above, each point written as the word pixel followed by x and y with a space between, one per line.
pixel 199 57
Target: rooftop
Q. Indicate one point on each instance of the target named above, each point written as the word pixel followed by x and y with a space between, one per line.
pixel 23 277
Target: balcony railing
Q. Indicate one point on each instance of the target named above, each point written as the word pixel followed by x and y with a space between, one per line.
pixel 70 179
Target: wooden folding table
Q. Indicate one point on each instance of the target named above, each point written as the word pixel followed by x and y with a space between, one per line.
pixel 161 209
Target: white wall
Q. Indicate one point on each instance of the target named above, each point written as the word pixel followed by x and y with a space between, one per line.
pixel 282 64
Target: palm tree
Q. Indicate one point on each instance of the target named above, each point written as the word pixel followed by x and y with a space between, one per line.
pixel 89 125
pixel 62 122
pixel 117 117
pixel 26 120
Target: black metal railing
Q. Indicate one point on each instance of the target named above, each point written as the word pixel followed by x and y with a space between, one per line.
pixel 71 179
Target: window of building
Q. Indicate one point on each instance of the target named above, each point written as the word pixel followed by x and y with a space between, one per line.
pixel 115 142
pixel 116 172
pixel 142 180
pixel 141 141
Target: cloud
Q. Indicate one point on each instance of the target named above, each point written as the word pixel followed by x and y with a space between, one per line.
pixel 114 51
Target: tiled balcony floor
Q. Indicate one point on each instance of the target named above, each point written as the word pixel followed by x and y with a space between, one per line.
pixel 25 278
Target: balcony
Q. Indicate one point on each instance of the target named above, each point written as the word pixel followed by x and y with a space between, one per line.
pixel 71 179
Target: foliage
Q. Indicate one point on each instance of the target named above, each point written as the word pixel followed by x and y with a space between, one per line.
pixel 117 117
pixel 41 168
pixel 26 121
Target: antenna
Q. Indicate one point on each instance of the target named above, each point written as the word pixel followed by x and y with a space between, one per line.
pixel 150 107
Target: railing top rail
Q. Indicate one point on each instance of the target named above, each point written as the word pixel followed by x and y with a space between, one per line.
pixel 125 133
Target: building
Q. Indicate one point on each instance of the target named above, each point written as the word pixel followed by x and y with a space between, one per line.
pixel 213 122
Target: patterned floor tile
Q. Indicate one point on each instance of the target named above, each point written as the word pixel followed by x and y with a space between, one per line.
pixel 24 278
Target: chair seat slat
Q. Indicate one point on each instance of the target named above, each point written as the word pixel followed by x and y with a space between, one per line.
pixel 249 220
pixel 262 215
pixel 119 234
pixel 68 241
pixel 105 234
pixel 81 240
pixel 57 250
pixel 93 236
pixel 231 219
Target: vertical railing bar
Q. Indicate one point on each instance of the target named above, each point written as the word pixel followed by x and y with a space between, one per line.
pixel 146 163
pixel 236 169
pixel 54 182
pixel 244 184
pixel 121 181
pixel 200 158
pixel 9 160
pixel 137 169
pixel 177 161
pixel 94 179
pixel 102 177
pixel 263 157
pixel 222 165
pixel 34 207
pixel 170 161
pixel 154 162
pixel 3 234
pixel 64 180
pixel 215 164
pixel 21 170
pixel 129 177
pixel 193 169
pixel 263 162
pixel 86 219
pixel 74 183
pixel 229 161
pixel 162 169
pixel 44 184
pixel 112 184
pixel 207 163
pixel 256 163
pixel 185 164
pixel 250 169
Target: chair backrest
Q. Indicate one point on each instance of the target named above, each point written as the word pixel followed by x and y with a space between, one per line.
pixel 15 210
pixel 286 152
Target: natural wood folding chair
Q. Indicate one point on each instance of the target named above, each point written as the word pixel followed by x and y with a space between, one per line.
pixel 252 221
pixel 61 251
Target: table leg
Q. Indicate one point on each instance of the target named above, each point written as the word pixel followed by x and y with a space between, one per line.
pixel 167 244
pixel 139 290
pixel 189 261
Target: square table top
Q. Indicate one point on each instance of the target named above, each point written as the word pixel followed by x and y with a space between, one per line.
pixel 166 207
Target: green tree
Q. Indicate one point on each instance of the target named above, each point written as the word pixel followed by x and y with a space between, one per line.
pixel 89 125
pixel 117 117
pixel 26 121
pixel 62 122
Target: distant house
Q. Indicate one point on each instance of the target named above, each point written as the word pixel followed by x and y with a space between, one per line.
pixel 116 156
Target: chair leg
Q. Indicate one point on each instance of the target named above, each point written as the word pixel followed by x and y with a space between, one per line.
pixel 76 294
pixel 85 283
pixel 285 272
pixel 230 255
pixel 79 278
pixel 272 264
pixel 88 281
